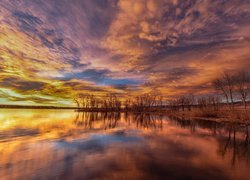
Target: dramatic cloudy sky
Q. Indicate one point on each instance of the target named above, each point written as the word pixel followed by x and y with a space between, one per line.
pixel 51 50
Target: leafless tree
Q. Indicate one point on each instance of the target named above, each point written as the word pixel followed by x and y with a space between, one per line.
pixel 186 102
pixel 243 87
pixel 202 102
pixel 181 102
pixel 219 85
pixel 190 101
pixel 127 104
pixel 230 83
pixel 77 101
pixel 146 101
pixel 173 104
pixel 214 101
pixel 160 101
pixel 226 84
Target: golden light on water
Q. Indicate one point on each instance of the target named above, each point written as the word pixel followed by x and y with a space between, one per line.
pixel 47 143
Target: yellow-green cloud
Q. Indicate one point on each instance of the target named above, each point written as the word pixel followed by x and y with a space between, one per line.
pixel 53 50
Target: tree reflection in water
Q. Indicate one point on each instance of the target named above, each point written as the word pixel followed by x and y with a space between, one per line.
pixel 109 120
pixel 109 145
pixel 89 119
pixel 148 121
pixel 236 143
pixel 233 138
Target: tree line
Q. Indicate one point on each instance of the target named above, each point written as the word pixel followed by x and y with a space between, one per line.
pixel 233 87
pixel 113 102
pixel 90 101
pixel 230 88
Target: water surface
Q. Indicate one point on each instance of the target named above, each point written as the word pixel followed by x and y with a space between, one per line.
pixel 64 144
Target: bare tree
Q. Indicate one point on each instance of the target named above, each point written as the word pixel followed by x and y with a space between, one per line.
pixel 226 84
pixel 145 101
pixel 127 104
pixel 230 82
pixel 190 101
pixel 173 104
pixel 214 101
pixel 243 87
pixel 219 85
pixel 202 102
pixel 182 102
pixel 77 101
pixel 159 101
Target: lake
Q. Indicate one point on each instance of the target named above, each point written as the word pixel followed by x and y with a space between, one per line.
pixel 64 144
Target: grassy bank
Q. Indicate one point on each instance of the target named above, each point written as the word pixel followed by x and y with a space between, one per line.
pixel 237 114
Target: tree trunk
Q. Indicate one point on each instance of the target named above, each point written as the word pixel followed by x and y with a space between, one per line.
pixel 231 97
pixel 245 104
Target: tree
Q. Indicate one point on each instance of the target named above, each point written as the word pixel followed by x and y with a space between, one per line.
pixel 219 85
pixel 181 102
pixel 230 82
pixel 202 102
pixel 243 87
pixel 226 84
pixel 214 101
pixel 77 101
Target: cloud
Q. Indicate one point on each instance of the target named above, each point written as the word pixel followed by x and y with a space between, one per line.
pixel 22 85
pixel 27 22
pixel 56 49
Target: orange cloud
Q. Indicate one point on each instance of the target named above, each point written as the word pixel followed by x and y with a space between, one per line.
pixel 52 51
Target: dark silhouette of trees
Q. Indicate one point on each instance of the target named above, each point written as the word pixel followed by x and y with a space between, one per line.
pixel 219 85
pixel 243 87
pixel 231 86
pixel 214 101
pixel 185 102
pixel 77 101
pixel 90 101
pixel 226 85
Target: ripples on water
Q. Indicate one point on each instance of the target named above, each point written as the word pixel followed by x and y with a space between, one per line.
pixel 63 144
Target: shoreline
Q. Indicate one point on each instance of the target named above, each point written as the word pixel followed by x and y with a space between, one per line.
pixel 220 116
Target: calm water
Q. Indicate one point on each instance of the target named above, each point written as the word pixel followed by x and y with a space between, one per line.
pixel 63 144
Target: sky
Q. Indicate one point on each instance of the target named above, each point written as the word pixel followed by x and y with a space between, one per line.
pixel 52 50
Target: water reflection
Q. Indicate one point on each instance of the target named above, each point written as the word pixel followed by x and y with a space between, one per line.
pixel 235 145
pixel 233 138
pixel 89 119
pixel 71 145
pixel 148 121
pixel 109 120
